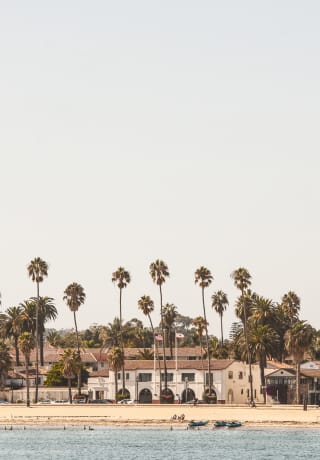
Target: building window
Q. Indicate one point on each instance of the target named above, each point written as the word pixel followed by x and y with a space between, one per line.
pixel 255 394
pixel 242 391
pixel 127 376
pixel 189 376
pixel 145 377
pixel 240 375
pixel 169 377
pixel 207 378
pixel 119 375
pixel 230 375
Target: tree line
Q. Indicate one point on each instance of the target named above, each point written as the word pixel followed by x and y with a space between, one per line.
pixel 264 330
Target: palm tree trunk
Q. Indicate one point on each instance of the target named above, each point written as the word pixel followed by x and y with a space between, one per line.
pixel 157 352
pixel 298 382
pixel 163 345
pixel 202 367
pixel 16 347
pixel 122 347
pixel 262 377
pixel 116 384
pixel 41 343
pixel 70 393
pixel 247 345
pixel 27 380
pixel 79 355
pixel 207 342
pixel 221 330
pixel 37 343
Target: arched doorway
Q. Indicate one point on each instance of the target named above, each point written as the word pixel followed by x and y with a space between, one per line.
pixel 210 397
pixel 145 396
pixel 187 395
pixel 167 397
pixel 230 396
pixel 123 395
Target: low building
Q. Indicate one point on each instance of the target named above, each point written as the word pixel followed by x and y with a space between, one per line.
pixel 187 381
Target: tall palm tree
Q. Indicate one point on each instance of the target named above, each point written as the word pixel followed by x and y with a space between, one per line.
pixel 27 343
pixel 204 278
pixel 122 278
pixel 146 305
pixel 169 317
pixel 5 363
pixel 46 312
pixel 13 327
pixel 37 270
pixel 290 304
pixel 159 272
pixel 263 341
pixel 116 360
pixel 70 367
pixel 74 296
pixel 298 340
pixel 242 280
pixel 200 325
pixel 219 303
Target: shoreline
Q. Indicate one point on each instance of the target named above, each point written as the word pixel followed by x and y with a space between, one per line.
pixel 156 415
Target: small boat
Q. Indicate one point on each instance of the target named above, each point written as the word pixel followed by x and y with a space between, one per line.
pixel 220 423
pixel 233 424
pixel 195 423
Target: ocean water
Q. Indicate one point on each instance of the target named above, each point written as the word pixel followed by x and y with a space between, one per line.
pixel 159 443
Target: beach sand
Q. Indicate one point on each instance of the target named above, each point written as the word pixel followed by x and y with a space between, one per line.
pixel 156 415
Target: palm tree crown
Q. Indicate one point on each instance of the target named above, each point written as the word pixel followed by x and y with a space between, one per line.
pixel 203 277
pixel 37 269
pixel 219 303
pixel 159 272
pixel 146 305
pixel 121 277
pixel 241 278
pixel 74 296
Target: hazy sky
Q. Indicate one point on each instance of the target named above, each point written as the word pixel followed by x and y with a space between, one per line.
pixel 181 130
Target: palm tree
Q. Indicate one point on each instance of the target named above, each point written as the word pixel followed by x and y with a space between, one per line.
pixel 159 272
pixel 47 312
pixel 37 270
pixel 13 327
pixel 5 363
pixel 28 316
pixel 219 303
pixel 200 325
pixel 27 343
pixel 116 360
pixel 241 278
pixel 122 278
pixel 263 341
pixel 70 367
pixel 74 296
pixel 290 304
pixel 146 305
pixel 169 317
pixel 204 278
pixel 298 340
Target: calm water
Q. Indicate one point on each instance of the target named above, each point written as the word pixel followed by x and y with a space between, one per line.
pixel 159 443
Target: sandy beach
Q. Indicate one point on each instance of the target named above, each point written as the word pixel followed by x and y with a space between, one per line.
pixel 156 415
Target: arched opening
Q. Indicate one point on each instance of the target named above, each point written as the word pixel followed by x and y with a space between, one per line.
pixel 230 396
pixel 167 397
pixel 145 396
pixel 123 394
pixel 187 395
pixel 210 397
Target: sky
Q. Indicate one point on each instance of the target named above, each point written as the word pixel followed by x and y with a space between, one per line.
pixel 180 130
